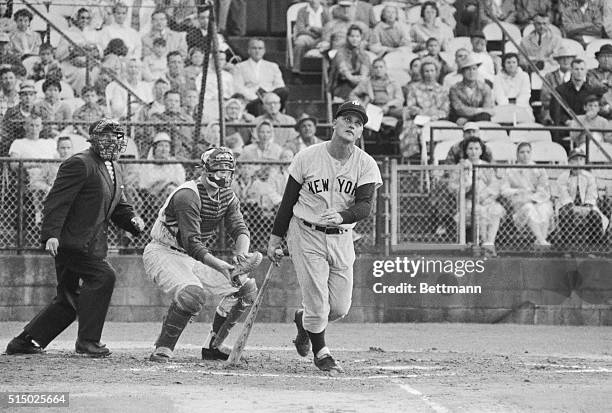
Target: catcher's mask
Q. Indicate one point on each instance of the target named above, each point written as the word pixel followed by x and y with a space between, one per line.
pixel 107 138
pixel 215 160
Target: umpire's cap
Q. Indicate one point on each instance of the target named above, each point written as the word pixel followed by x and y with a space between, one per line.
pixel 106 125
pixel 353 106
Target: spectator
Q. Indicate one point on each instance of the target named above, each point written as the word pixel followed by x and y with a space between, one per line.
pixel 380 90
pixel 146 112
pixel 46 64
pixel 573 93
pixel 562 75
pixel 579 215
pixel 529 194
pixel 117 95
pixel 306 127
pixel 591 120
pixel 195 64
pixel 389 35
pixel 90 112
pixel 157 181
pixel 9 59
pixel 600 78
pixel 308 31
pixel 119 29
pixel 211 97
pixel 271 104
pixel 9 96
pixel 255 76
pixel 527 10
pixel 52 108
pixel 334 32
pixel 479 51
pixel 180 14
pixel 7 25
pixel 175 74
pixel 488 211
pixel 470 99
pixel 118 48
pixel 455 77
pixel 212 135
pixel 356 12
pixel 55 73
pixel 582 18
pixel 541 44
pixel 426 98
pixel 350 65
pixel 263 148
pixel 414 72
pixel 235 113
pixel 512 85
pixel 24 42
pixel 198 36
pixel 172 121
pixel 190 103
pixel 12 122
pixel 159 29
pixel 430 26
pixel 456 154
pixel 154 64
pixel 73 60
pixel 503 10
pixel 49 170
pixel 433 51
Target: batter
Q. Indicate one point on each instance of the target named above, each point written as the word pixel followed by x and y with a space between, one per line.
pixel 331 186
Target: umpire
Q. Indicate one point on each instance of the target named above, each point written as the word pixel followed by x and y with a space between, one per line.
pixel 87 193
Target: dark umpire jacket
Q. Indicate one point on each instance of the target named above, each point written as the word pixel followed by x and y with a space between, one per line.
pixel 81 203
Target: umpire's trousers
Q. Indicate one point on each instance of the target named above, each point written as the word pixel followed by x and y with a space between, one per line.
pixel 88 300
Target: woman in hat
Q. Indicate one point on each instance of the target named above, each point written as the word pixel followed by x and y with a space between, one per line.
pixel 470 99
pixel 564 58
pixel 157 180
pixel 529 194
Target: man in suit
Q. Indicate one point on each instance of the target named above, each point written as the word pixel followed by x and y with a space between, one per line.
pixel 197 36
pixel 564 58
pixel 255 76
pixel 86 195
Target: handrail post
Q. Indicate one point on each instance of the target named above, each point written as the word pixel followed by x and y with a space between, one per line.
pixel 20 208
pixel 475 241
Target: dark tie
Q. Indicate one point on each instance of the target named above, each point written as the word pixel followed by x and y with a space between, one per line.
pixel 539 39
pixel 577 200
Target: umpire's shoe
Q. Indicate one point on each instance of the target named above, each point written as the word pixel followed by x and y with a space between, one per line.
pixel 91 348
pixel 327 363
pixel 20 345
pixel 302 341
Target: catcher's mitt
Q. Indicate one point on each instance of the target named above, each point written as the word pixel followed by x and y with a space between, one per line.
pixel 244 264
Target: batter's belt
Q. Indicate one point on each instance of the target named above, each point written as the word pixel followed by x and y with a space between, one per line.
pixel 326 230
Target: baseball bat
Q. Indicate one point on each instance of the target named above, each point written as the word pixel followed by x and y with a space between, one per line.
pixel 240 343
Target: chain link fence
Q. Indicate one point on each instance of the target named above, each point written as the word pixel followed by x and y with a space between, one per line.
pixel 147 184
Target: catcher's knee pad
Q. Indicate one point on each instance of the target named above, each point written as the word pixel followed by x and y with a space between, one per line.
pixel 190 299
pixel 245 297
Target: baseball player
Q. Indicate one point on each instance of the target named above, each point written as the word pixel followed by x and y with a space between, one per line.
pixel 178 261
pixel 331 186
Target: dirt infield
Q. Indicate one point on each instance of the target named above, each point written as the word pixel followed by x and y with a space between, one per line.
pixel 389 368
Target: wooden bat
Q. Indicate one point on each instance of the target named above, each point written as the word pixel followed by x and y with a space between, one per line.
pixel 240 343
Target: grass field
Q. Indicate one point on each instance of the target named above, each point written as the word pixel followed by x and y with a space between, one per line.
pixel 389 368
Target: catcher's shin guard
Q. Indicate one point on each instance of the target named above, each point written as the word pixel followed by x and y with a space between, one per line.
pixel 172 327
pixel 246 296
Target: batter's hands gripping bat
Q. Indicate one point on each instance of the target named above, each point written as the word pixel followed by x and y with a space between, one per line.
pixel 240 343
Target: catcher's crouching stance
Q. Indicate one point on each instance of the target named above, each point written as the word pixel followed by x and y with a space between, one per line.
pixel 178 261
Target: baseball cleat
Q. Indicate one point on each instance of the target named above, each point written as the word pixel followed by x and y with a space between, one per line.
pixel 91 348
pixel 215 353
pixel 302 341
pixel 22 346
pixel 161 355
pixel 327 363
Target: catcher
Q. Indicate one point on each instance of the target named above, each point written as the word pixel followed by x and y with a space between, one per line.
pixel 178 262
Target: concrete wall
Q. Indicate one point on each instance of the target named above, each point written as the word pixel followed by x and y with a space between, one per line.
pixel 517 290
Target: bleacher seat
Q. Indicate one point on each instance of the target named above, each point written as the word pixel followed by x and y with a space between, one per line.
pixel 492 31
pixel 512 114
pixel 548 152
pixel 292 12
pixel 441 150
pixel 529 28
pixel 595 45
pixel 531 136
pixel 502 151
pixel 595 154
pixel 574 47
pixel 457 43
pixel 442 134
pixel 492 134
pixel 509 47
